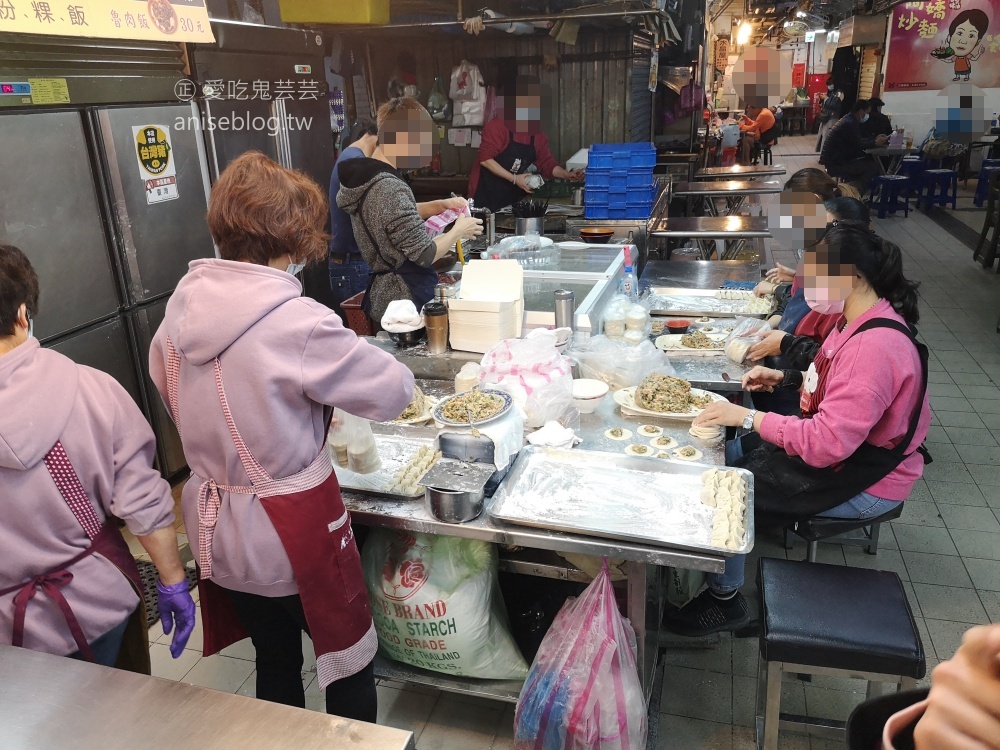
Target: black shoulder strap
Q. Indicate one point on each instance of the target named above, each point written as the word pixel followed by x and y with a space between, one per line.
pixel 911 333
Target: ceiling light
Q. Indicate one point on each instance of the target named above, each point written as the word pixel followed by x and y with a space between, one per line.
pixel 743 33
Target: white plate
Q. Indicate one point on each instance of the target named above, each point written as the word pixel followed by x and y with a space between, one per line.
pixel 626 398
pixel 572 245
pixel 671 342
pixel 439 417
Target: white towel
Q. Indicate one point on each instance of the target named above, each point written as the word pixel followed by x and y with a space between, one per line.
pixel 401 316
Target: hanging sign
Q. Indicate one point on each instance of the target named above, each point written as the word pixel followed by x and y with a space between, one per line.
pixel 721 53
pixel 156 162
pixel 933 44
pixel 149 20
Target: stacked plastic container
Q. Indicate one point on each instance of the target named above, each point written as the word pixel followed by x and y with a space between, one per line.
pixel 620 183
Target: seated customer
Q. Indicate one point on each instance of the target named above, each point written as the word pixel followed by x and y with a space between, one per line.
pixel 854 454
pixel 843 152
pixel 758 126
pixel 877 123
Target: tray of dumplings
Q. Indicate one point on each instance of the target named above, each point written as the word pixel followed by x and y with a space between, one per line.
pixel 405 459
pixel 717 303
pixel 664 502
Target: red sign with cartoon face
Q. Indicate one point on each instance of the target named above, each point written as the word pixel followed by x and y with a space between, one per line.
pixel 934 44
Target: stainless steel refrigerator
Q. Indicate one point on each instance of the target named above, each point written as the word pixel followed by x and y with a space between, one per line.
pixel 109 238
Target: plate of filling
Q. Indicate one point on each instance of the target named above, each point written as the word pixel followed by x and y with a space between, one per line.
pixel 420 409
pixel 473 407
pixel 696 342
pixel 665 396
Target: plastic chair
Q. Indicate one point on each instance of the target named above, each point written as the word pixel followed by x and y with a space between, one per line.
pixel 943 180
pixel 983 185
pixel 889 189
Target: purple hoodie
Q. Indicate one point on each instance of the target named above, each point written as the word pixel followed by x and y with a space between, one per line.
pixel 286 359
pixel 45 398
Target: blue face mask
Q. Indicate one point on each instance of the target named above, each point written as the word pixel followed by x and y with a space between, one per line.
pixel 295 268
pixel 865 118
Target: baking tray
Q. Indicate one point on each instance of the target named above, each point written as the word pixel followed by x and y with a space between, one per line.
pixel 696 302
pixel 646 500
pixel 396 448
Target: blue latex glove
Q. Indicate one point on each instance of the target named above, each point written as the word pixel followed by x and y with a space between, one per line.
pixel 176 608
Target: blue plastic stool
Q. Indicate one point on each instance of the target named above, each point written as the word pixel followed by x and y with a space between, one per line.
pixel 890 189
pixel 983 186
pixel 944 179
pixel 914 168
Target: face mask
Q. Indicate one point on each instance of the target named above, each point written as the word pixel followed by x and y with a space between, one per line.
pixel 31 328
pixel 822 306
pixel 865 118
pixel 528 114
pixel 295 268
pixel 829 88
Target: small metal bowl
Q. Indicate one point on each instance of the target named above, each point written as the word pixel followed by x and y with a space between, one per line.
pixel 453 506
pixel 408 338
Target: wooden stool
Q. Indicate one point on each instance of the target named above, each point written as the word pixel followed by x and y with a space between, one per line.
pixel 830 620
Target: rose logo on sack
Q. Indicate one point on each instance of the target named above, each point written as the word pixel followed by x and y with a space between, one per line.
pixel 404 572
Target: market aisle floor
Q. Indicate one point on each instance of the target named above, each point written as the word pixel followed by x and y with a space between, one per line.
pixel 946 545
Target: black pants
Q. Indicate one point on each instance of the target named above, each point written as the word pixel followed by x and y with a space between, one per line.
pixel 858 173
pixel 275 625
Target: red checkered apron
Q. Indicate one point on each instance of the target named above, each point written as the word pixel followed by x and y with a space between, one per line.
pixel 105 540
pixel 309 516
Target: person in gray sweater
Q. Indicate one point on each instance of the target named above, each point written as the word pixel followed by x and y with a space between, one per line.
pixel 388 222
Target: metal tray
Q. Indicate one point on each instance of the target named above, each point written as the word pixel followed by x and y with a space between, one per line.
pixel 396 449
pixel 648 500
pixel 699 302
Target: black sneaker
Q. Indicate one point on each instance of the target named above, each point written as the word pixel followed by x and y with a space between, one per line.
pixel 706 614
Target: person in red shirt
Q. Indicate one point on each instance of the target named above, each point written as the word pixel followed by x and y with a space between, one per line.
pixel 757 125
pixel 510 146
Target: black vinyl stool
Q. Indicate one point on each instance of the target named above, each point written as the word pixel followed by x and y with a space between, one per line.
pixel 830 620
pixel 815 529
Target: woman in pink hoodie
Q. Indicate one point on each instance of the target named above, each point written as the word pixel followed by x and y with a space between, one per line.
pixel 855 452
pixel 75 451
pixel 251 371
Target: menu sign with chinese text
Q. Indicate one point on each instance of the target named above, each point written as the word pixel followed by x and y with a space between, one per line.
pixel 933 44
pixel 151 20
pixel 156 162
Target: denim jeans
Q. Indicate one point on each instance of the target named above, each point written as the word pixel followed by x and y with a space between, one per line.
pixel 864 505
pixel 348 279
pixel 107 646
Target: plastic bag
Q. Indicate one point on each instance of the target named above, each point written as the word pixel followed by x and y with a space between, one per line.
pixel 617 363
pixel 438 105
pixel 746 333
pixel 467 83
pixel 533 372
pixel 353 443
pixel 436 604
pixel 583 691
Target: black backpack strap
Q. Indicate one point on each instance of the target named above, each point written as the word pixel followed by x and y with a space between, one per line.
pixel 911 333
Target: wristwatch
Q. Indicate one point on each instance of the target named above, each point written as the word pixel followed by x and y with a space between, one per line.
pixel 748 420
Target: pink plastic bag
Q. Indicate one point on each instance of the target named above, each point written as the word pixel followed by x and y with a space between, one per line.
pixel 583 691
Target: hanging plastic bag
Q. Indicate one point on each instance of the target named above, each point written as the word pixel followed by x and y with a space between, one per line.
pixel 353 443
pixel 466 83
pixel 437 101
pixel 583 691
pixel 746 333
pixel 533 372
pixel 436 604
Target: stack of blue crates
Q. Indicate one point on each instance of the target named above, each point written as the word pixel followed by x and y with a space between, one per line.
pixel 620 183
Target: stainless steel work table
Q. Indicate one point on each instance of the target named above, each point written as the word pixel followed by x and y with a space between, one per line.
pixel 645 574
pixel 734 231
pixel 54 702
pixel 734 191
pixel 739 170
pixel 699 274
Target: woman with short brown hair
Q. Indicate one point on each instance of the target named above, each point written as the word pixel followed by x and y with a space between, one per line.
pixel 251 371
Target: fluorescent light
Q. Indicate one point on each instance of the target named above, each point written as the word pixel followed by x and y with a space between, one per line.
pixel 743 33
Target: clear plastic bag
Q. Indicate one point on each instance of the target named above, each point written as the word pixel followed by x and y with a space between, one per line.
pixel 583 691
pixel 746 333
pixel 353 443
pixel 624 319
pixel 531 370
pixel 618 363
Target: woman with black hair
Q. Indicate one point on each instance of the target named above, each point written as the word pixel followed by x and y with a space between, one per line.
pixel 865 413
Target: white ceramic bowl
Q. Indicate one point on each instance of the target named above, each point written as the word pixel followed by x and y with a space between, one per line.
pixel 588 393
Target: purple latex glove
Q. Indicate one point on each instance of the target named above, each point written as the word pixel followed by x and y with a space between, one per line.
pixel 176 607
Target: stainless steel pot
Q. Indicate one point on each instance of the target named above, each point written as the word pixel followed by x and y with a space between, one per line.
pixel 453 506
pixel 524 226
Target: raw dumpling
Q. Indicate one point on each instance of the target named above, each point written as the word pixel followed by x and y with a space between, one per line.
pixel 719 538
pixel 709 475
pixel 708 496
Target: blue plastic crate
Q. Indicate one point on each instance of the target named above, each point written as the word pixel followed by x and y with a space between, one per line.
pixel 621 156
pixel 595 212
pixel 639 178
pixel 641 196
pixel 598 178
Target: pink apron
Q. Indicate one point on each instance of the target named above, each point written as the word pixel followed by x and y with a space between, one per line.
pixel 105 540
pixel 309 516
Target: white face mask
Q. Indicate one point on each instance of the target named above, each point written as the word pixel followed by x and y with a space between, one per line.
pixel 295 268
pixel 864 119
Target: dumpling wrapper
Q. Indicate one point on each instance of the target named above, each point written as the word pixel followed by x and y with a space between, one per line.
pixel 695 456
pixel 650 430
pixel 625 434
pixel 643 451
